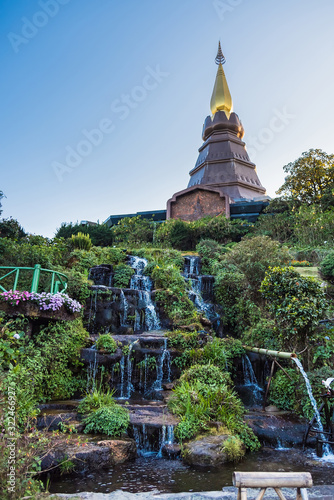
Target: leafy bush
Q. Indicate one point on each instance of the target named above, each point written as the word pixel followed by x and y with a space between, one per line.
pixel 96 400
pixel 211 253
pixel 133 231
pixel 254 256
pixel 232 292
pixel 208 374
pixel 123 275
pixel 173 296
pixel 327 266
pixel 182 340
pixel 283 389
pixel 297 303
pixel 100 234
pixel 44 367
pixel 106 343
pixel 262 335
pixel 112 420
pixel 185 235
pixel 81 241
pixel 197 403
pixel 219 352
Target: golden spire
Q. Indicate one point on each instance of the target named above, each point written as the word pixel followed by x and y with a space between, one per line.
pixel 221 98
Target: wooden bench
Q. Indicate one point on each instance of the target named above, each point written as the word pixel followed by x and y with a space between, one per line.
pixel 275 480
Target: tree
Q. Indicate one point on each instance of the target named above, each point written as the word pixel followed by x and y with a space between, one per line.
pixel 297 304
pixel 10 228
pixel 309 177
pixel 1 196
pixel 101 234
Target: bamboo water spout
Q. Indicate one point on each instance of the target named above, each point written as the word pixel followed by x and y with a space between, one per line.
pixel 267 352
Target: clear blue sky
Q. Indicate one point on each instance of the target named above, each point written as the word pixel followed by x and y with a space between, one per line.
pixel 67 65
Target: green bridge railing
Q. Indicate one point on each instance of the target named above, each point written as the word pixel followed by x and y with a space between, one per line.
pixel 58 280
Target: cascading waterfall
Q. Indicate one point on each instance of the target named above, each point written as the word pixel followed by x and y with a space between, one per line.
pixel 163 361
pixel 122 367
pixel 326 447
pixel 124 308
pixel 144 447
pixel 147 447
pixel 250 379
pixel 92 311
pixel 167 437
pixel 127 367
pixel 143 284
pixel 191 274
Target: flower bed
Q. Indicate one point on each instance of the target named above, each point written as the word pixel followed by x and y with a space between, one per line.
pixel 39 304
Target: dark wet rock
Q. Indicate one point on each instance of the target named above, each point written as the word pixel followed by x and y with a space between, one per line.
pixel 171 451
pixel 120 450
pixel 102 275
pixel 205 452
pixel 155 415
pixel 169 386
pixel 90 456
pixel 51 419
pixel 274 429
pixel 205 321
pixel 88 355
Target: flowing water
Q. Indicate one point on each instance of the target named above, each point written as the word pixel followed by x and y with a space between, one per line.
pixel 143 284
pixel 326 447
pixel 124 307
pixel 250 381
pixel 192 275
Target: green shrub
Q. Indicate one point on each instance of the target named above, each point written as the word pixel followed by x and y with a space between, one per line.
pixel 96 400
pixel 211 254
pixel 234 449
pixel 172 294
pixel 219 352
pixel 296 302
pixel 182 340
pixel 81 241
pixel 283 389
pixel 327 266
pixel 106 343
pixel 122 275
pixel 197 403
pixel 208 374
pixel 254 256
pixel 262 335
pixel 112 420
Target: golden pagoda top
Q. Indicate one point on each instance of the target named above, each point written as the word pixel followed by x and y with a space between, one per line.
pixel 221 99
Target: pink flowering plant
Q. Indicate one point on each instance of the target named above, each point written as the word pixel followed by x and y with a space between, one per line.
pixel 45 301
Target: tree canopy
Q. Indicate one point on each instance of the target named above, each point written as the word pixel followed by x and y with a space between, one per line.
pixel 310 177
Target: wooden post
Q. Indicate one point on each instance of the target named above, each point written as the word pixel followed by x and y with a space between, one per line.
pixel 275 480
pixel 268 385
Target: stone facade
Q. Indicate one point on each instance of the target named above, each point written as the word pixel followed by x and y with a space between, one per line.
pixel 197 202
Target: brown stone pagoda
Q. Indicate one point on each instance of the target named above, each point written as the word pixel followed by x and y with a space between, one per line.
pixel 223 173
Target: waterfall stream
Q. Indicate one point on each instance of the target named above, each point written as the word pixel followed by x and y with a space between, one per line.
pixel 192 275
pixel 314 405
pixel 143 284
pixel 250 379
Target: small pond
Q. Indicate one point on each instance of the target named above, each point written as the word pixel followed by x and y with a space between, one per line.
pixel 172 476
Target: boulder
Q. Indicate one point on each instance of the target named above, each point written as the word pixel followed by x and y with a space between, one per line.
pixel 204 452
pixel 171 451
pixel 120 450
pixel 90 456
